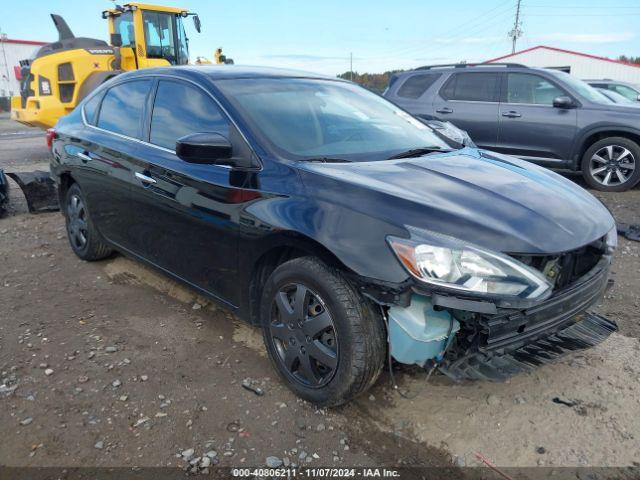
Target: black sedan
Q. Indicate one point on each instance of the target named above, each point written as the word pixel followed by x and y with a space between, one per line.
pixel 350 231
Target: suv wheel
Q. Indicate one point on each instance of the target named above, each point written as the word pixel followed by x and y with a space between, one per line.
pixel 83 236
pixel 326 341
pixel 612 164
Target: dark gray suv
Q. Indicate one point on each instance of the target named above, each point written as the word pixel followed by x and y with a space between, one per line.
pixel 541 115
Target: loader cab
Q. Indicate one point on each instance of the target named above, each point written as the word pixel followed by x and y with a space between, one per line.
pixel 150 36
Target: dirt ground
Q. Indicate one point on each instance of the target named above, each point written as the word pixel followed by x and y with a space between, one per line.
pixel 111 364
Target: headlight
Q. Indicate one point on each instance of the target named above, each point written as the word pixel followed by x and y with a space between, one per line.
pixel 612 239
pixel 450 263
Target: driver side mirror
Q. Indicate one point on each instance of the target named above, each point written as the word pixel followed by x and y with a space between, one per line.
pixel 205 148
pixel 563 102
pixel 196 23
pixel 638 99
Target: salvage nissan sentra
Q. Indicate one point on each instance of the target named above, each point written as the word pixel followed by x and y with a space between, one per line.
pixel 350 231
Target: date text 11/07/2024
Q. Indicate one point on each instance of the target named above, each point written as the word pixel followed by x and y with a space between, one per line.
pixel 316 472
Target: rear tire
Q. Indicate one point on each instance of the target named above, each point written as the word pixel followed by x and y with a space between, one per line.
pixel 325 340
pixel 83 237
pixel 612 164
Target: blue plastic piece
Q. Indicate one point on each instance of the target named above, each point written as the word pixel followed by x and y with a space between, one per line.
pixel 419 333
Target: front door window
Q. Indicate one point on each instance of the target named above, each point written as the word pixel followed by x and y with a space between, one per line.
pixel 530 89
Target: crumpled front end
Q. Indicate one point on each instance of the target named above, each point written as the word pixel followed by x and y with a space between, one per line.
pixel 495 347
pixel 471 339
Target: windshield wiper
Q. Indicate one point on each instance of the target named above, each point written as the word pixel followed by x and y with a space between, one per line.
pixel 418 152
pixel 325 160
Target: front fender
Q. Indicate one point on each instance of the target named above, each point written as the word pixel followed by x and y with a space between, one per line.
pixel 357 240
pixel 594 129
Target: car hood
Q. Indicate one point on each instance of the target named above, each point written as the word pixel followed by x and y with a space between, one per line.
pixel 618 107
pixel 492 200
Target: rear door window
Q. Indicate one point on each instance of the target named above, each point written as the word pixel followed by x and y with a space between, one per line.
pixel 531 89
pixel 416 85
pixel 122 108
pixel 181 109
pixel 471 87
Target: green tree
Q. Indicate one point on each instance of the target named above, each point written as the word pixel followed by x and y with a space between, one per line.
pixel 624 58
pixel 376 82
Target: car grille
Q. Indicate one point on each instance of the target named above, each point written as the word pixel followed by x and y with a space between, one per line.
pixel 564 269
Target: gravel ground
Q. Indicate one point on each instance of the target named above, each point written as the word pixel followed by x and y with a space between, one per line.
pixel 114 365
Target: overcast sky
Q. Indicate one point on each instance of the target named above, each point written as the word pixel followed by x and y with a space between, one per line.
pixel 319 35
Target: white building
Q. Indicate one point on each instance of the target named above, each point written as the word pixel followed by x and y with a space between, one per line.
pixel 11 52
pixel 578 64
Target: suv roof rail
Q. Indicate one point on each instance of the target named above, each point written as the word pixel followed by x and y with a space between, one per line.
pixel 465 65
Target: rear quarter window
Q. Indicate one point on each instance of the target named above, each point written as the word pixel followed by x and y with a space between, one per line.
pixel 91 109
pixel 471 87
pixel 416 85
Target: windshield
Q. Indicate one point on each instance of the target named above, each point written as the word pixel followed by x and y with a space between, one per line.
pixel 307 119
pixel 581 88
pixel 165 38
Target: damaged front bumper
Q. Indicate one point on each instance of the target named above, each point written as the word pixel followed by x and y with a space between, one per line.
pixel 578 333
pixel 39 190
pixel 487 342
pixel 4 192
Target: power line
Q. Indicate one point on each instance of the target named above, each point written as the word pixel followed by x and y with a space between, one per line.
pixel 625 14
pixel 461 28
pixel 607 7
pixel 453 40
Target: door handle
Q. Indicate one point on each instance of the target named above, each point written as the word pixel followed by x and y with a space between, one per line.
pixel 511 114
pixel 144 179
pixel 444 110
pixel 83 156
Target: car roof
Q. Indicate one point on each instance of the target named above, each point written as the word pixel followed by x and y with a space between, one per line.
pixel 485 67
pixel 608 80
pixel 223 72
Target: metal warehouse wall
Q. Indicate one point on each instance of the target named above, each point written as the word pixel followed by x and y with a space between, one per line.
pixel 10 56
pixel 583 67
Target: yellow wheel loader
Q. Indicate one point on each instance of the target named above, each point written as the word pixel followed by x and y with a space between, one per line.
pixel 62 73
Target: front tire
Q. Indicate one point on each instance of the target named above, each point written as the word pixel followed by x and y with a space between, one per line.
pixel 325 339
pixel 612 164
pixel 83 237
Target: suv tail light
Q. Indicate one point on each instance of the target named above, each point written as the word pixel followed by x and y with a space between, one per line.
pixel 51 135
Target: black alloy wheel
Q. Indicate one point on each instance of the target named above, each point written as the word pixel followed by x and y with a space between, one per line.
pixel 77 224
pixel 84 239
pixel 325 339
pixel 304 335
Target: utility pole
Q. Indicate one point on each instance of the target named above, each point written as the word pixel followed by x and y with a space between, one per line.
pixel 351 66
pixel 516 32
pixel 7 77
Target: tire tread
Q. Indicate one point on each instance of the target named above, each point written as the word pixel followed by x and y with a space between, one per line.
pixel 369 339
